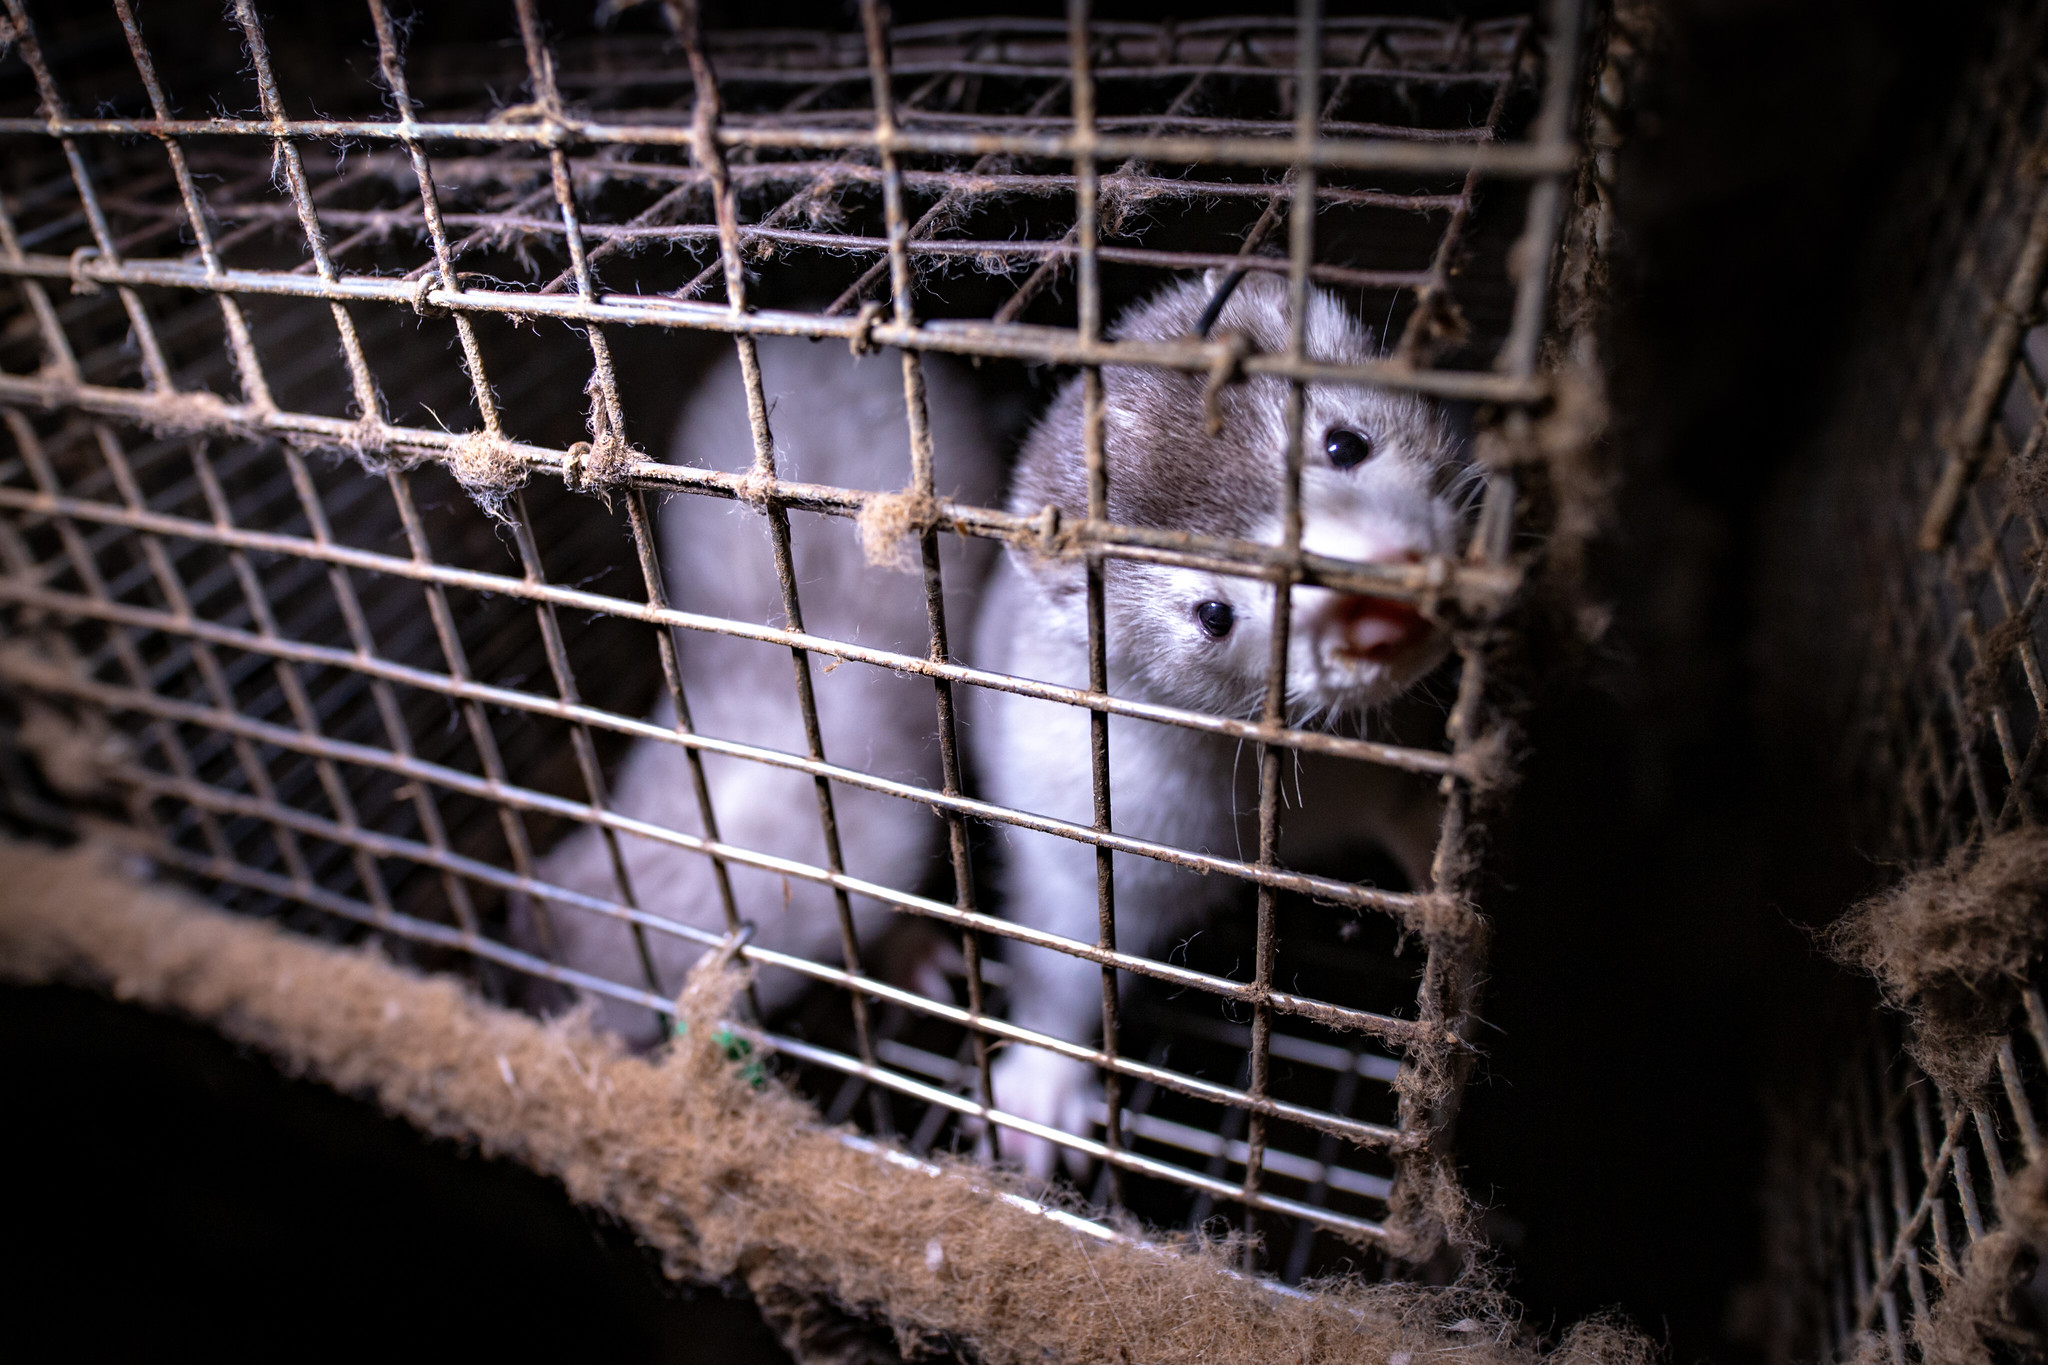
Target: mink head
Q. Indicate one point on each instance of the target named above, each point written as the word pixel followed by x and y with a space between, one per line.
pixel 1383 481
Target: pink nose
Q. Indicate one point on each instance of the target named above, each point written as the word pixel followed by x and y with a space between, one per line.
pixel 1376 629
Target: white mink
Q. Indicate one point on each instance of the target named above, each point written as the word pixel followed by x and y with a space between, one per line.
pixel 835 420
pixel 1170 784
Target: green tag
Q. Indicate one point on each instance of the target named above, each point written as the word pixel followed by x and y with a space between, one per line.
pixel 735 1048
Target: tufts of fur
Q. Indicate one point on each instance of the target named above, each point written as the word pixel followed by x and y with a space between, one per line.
pixel 1995 651
pixel 890 525
pixel 1604 1339
pixel 728 1181
pixel 605 456
pixel 489 469
pixel 1950 945
pixel 1999 1296
pixel 78 756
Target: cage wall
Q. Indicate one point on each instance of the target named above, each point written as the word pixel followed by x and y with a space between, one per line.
pixel 1903 637
pixel 336 392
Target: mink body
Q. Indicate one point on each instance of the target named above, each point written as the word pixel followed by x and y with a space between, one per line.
pixel 839 421
pixel 1170 784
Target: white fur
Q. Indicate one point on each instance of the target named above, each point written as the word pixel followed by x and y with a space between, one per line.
pixel 835 421
pixel 1173 785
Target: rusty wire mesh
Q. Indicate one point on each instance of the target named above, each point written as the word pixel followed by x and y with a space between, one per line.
pixel 241 565
pixel 1912 573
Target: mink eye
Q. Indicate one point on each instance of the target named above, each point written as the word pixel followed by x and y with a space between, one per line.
pixel 1346 447
pixel 1216 618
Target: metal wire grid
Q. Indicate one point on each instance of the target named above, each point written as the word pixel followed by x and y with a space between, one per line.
pixel 1904 1182
pixel 303 735
pixel 1932 510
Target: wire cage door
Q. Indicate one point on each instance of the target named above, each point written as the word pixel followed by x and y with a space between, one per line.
pixel 333 548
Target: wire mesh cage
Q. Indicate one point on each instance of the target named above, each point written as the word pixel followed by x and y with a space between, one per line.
pixel 337 567
pixel 1921 526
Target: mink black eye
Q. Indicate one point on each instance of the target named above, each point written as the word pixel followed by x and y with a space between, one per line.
pixel 1346 447
pixel 1215 618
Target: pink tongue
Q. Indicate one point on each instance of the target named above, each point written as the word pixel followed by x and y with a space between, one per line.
pixel 1375 628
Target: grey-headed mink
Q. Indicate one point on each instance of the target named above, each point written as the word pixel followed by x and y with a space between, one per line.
pixel 1382 481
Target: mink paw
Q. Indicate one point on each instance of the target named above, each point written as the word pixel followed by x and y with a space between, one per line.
pixel 1049 1090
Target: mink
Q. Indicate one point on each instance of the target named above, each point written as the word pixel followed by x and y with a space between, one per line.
pixel 1384 480
pixel 835 420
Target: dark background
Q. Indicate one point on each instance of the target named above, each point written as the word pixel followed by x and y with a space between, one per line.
pixel 1654 977
pixel 1656 996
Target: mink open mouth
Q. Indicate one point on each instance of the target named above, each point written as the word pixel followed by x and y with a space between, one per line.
pixel 1377 629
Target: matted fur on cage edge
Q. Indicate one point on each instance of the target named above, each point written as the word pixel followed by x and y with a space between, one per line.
pixel 337 555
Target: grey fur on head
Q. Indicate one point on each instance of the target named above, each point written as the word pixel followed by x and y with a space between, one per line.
pixel 1166 469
